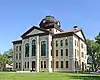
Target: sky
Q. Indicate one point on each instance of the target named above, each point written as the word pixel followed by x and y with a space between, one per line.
pixel 17 16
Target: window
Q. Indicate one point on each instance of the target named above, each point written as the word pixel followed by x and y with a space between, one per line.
pixel 82 54
pixel 51 52
pixel 75 52
pixel 61 64
pixel 20 65
pixel 43 48
pixel 41 64
pixel 66 52
pixel 51 64
pixel 66 42
pixel 16 65
pixel 82 46
pixel 16 56
pixel 61 43
pixel 49 29
pixel 20 48
pixel 34 48
pixel 56 52
pixel 66 64
pixel 76 64
pixel 27 50
pixel 16 48
pixel 56 43
pixel 56 30
pixel 61 52
pixel 28 64
pixel 75 42
pixel 57 64
pixel 19 55
pixel 44 64
pixel 25 64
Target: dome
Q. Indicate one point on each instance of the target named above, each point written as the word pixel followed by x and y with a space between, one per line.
pixel 50 19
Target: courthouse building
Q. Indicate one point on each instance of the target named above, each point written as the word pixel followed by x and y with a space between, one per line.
pixel 48 48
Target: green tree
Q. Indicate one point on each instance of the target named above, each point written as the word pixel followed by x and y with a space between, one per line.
pixel 93 49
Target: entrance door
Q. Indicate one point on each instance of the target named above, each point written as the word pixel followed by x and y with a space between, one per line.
pixel 33 65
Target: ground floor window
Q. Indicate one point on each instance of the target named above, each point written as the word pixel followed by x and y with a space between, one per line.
pixel 16 65
pixel 43 64
pixel 61 64
pixel 57 64
pixel 66 64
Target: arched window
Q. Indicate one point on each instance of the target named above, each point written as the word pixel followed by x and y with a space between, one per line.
pixel 61 42
pixel 27 50
pixel 33 47
pixel 43 48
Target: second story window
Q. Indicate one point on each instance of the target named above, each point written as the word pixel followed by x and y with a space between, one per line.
pixel 66 42
pixel 75 42
pixel 16 48
pixel 56 52
pixel 34 48
pixel 19 55
pixel 66 52
pixel 82 54
pixel 27 50
pixel 61 43
pixel 61 52
pixel 16 56
pixel 43 48
pixel 56 43
pixel 20 48
pixel 82 46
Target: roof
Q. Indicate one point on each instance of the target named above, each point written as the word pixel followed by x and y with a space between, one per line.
pixel 17 42
pixel 34 27
pixel 69 33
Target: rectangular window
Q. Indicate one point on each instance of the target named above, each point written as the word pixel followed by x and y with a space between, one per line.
pixel 33 47
pixel 57 64
pixel 51 64
pixel 66 64
pixel 16 56
pixel 75 42
pixel 82 54
pixel 56 52
pixel 16 48
pixel 19 55
pixel 20 48
pixel 61 43
pixel 82 46
pixel 66 42
pixel 75 53
pixel 66 52
pixel 16 65
pixel 61 52
pixel 25 64
pixel 56 43
pixel 41 64
pixel 44 64
pixel 20 65
pixel 51 52
pixel 28 64
pixel 27 50
pixel 61 64
pixel 43 48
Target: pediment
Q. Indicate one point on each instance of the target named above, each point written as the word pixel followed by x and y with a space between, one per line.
pixel 34 30
pixel 81 34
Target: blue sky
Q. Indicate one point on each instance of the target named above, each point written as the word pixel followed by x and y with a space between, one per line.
pixel 17 16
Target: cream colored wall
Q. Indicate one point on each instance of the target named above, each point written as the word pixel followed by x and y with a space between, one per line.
pixel 79 58
pixel 64 58
pixel 14 56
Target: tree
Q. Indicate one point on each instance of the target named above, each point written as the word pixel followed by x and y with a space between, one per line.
pixel 93 49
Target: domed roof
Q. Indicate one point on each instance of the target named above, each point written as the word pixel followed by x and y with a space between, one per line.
pixel 50 19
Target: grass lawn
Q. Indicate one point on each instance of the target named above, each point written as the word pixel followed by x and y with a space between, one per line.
pixel 48 76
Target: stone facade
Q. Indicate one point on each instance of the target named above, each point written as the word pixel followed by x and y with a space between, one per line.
pixel 65 51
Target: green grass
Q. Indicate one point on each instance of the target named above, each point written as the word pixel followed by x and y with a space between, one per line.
pixel 48 76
